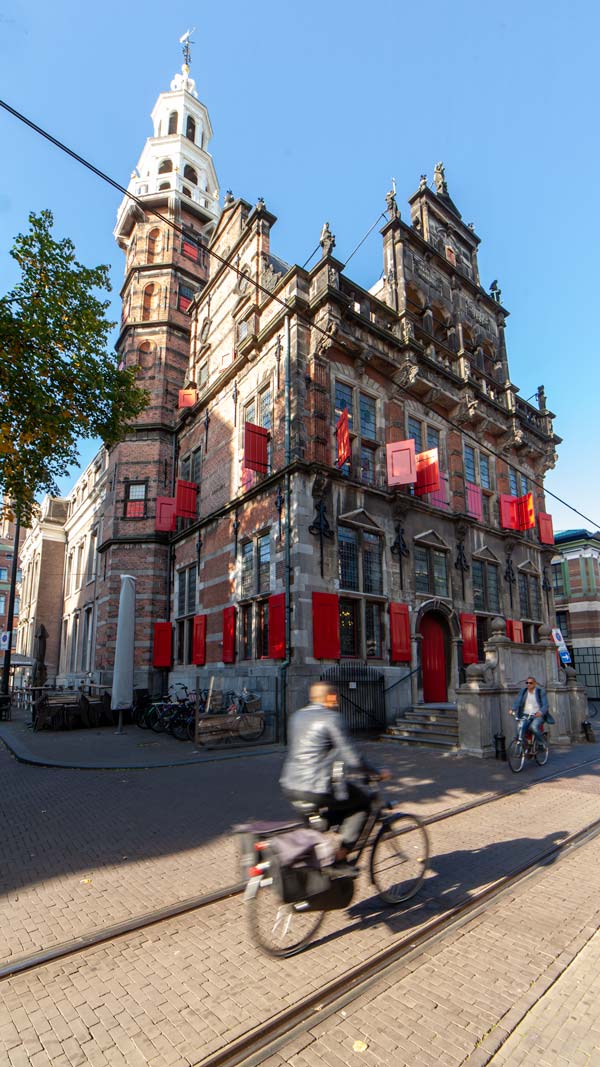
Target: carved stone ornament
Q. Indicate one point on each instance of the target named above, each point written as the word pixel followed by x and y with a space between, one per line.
pixel 406 374
pixel 423 183
pixel 467 409
pixel 270 278
pixel 439 177
pixel 408 330
pixel 326 341
pixel 391 205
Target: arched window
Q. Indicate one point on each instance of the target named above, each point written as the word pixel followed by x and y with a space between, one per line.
pixel 154 245
pixel 164 185
pixel 166 166
pixel 173 122
pixel 148 301
pixel 187 191
pixel 190 129
pixel 145 355
pixel 190 174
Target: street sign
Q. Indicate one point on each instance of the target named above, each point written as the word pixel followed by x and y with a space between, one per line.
pixel 559 641
pixel 5 641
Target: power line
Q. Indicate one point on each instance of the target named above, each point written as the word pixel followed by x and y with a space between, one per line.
pixel 147 209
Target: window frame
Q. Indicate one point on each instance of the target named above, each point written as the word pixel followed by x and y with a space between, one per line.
pixel 431 552
pixel 255 591
pixel 185 608
pixel 130 484
pixel 486 565
pixel 363 445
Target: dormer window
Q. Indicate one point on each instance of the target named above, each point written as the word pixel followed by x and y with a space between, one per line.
pixel 190 129
pixel 173 122
pixel 166 166
pixel 190 174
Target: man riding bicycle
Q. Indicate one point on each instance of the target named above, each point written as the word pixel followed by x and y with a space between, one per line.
pixel 531 710
pixel 319 752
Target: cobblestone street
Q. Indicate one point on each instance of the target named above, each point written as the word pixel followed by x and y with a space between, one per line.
pixel 86 848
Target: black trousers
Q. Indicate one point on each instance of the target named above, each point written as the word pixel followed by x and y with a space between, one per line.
pixel 349 814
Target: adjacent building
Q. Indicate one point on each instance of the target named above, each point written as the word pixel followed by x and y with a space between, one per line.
pixel 576 586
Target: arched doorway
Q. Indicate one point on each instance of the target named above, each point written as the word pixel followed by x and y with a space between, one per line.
pixel 434 657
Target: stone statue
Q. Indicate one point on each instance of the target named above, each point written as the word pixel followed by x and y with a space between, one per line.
pixel 439 177
pixel 407 330
pixel 423 183
pixel 327 240
pixel 228 198
pixel 391 205
pixel 495 291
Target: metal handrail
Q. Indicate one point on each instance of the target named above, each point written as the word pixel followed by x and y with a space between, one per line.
pixel 394 684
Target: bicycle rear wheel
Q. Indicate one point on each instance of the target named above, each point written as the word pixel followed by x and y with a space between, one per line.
pixel 516 755
pixel 399 858
pixel 276 928
pixel 251 726
pixel 541 753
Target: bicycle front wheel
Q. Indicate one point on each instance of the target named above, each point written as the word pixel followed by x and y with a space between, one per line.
pixel 251 726
pixel 541 753
pixel 276 928
pixel 399 858
pixel 516 755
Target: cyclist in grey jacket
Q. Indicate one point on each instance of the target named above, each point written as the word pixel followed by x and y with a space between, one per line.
pixel 314 771
pixel 531 709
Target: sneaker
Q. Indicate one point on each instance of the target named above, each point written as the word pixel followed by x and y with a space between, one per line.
pixel 342 869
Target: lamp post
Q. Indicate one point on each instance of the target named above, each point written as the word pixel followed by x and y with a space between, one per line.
pixel 4 688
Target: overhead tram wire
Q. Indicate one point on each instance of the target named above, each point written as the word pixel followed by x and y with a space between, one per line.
pixel 147 209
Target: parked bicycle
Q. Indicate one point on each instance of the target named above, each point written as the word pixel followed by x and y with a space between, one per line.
pixel 286 903
pixel 241 718
pixel 531 747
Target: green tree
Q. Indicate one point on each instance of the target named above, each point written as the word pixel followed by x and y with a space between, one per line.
pixel 58 382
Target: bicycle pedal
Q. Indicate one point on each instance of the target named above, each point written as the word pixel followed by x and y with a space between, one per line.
pixel 342 870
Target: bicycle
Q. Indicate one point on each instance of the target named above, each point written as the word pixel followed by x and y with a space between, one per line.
pixel 286 905
pixel 531 747
pixel 240 717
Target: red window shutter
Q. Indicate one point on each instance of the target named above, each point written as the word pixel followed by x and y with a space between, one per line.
pixel 525 512
pixel 508 512
pixel 474 501
pixel 166 517
pixel 514 630
pixel 277 626
pixel 428 472
pixel 546 528
pixel 199 641
pixel 163 645
pixel 190 250
pixel 468 625
pixel 229 635
pixel 187 398
pixel 399 633
pixel 185 499
pixel 184 303
pixel 401 463
pixel 256 440
pixel 326 625
pixel 342 431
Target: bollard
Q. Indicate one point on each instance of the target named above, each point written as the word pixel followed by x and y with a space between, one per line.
pixel 588 730
pixel 500 742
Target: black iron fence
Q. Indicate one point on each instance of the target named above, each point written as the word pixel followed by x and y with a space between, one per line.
pixel 361 695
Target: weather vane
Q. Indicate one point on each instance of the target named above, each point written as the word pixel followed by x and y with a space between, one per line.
pixel 186 41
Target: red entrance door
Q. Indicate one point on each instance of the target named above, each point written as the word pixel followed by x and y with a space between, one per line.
pixel 433 660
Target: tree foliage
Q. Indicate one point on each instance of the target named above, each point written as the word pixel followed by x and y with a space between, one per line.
pixel 58 382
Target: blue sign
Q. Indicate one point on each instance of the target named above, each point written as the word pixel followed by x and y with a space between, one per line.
pixel 564 655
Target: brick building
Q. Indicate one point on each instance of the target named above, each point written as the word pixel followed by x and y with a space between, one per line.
pixel 325 474
pixel 41 591
pixel 576 585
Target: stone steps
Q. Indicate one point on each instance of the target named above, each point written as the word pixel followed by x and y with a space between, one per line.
pixel 433 725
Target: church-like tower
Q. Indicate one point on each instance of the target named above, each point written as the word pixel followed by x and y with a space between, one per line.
pixel 163 227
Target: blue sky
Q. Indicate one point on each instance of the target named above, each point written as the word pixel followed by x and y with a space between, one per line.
pixel 315 107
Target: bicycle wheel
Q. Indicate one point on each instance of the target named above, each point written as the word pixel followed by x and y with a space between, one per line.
pixel 541 753
pixel 516 755
pixel 251 726
pixel 279 929
pixel 399 858
pixel 178 726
